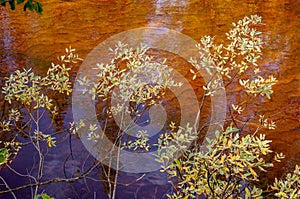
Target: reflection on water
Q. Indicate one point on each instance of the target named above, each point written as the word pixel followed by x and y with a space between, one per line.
pixel 30 40
pixel 7 40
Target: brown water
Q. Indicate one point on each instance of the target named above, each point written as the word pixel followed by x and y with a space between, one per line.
pixel 31 40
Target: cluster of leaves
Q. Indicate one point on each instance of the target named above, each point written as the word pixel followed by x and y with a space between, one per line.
pixel 26 89
pixel 234 59
pixel 11 147
pixel 177 140
pixel 9 151
pixel 259 86
pixel 289 187
pixel 43 196
pixel 140 143
pixel 133 78
pixel 227 170
pixel 266 123
pixel 231 165
pixel 31 5
pixel 141 79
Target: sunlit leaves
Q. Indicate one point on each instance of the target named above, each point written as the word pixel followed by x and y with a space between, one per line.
pixel 51 141
pixel 22 86
pixel 225 170
pixel 5 125
pixel 58 78
pixel 212 87
pixel 140 143
pixel 289 187
pixel 93 135
pixel 14 115
pixel 259 86
pixel 233 57
pixel 266 123
pixel 176 140
pixel 237 108
pixel 141 79
pixel 29 95
pixel 26 87
pixel 9 150
pixel 75 127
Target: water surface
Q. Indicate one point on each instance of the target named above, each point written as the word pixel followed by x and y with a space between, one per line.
pixel 33 41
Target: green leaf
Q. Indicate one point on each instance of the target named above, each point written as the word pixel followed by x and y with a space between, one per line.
pixel 12 5
pixel 20 1
pixel 44 196
pixel 2 159
pixel 3 155
pixel 28 5
pixel 38 7
pixel 3 3
pixel 269 165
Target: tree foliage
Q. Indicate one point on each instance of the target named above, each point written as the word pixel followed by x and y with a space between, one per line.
pixel 231 164
pixel 32 5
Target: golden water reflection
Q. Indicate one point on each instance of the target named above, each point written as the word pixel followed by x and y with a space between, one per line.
pixel 31 40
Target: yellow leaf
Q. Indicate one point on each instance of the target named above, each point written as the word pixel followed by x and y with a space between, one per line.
pixel 222 159
pixel 253 172
pixel 49 143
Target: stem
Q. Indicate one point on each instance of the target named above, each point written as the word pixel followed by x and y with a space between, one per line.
pixel 117 173
pixel 68 180
pixel 12 193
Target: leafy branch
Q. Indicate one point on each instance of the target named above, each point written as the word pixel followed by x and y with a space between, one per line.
pixel 32 5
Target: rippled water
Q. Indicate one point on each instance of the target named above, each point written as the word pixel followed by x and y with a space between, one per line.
pixel 31 40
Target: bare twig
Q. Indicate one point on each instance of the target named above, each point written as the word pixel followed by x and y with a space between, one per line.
pixel 54 180
pixel 7 186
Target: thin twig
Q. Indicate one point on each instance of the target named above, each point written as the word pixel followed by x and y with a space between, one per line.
pixel 54 180
pixel 7 186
